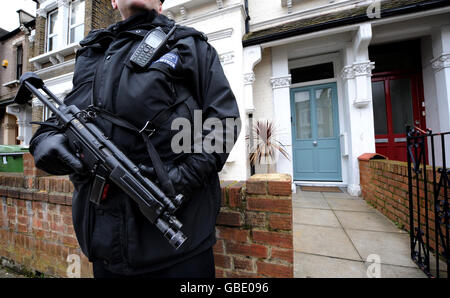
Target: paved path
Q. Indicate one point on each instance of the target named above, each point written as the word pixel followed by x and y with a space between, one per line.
pixel 334 234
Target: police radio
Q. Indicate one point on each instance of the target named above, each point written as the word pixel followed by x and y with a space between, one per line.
pixel 150 47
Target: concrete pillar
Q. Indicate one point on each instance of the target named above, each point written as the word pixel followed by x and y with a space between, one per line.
pixel 252 56
pixel 356 76
pixel 281 83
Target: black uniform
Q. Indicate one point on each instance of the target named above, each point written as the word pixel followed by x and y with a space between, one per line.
pixel 116 233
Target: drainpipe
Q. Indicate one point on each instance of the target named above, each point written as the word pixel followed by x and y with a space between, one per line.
pixel 247 19
pixel 250 125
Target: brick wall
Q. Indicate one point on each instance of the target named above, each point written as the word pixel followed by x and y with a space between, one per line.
pixel 99 14
pixel 39 38
pixel 254 227
pixel 384 185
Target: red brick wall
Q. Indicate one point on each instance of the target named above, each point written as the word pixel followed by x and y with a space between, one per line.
pixel 384 185
pixel 254 227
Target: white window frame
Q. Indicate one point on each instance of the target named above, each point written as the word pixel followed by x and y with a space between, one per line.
pixel 46 113
pixel 76 24
pixel 55 33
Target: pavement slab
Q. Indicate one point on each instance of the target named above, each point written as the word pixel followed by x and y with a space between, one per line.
pixel 318 217
pixel 314 266
pixel 369 221
pixel 325 241
pixel 392 248
pixel 336 235
pixel 349 204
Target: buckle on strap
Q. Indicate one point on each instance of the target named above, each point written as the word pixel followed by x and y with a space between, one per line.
pixel 90 113
pixel 148 129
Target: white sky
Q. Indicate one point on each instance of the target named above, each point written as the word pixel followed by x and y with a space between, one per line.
pixel 9 18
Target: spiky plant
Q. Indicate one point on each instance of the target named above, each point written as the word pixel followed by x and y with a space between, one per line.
pixel 265 144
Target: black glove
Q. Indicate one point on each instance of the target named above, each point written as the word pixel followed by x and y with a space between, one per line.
pixel 183 180
pixel 53 155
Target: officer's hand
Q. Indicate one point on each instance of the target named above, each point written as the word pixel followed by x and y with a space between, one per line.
pixel 177 174
pixel 53 155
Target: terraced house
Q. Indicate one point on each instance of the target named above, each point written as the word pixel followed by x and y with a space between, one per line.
pixel 345 77
pixel 14 53
pixel 60 26
pixel 337 78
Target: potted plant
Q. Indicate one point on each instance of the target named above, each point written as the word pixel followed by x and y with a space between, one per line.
pixel 264 145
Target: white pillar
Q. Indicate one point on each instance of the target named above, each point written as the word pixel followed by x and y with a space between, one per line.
pixel 441 67
pixel 359 109
pixel 252 56
pixel 281 83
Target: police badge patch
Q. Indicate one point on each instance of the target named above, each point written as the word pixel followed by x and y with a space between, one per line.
pixel 169 59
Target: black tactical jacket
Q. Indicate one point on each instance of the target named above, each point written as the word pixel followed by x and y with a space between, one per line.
pixel 116 232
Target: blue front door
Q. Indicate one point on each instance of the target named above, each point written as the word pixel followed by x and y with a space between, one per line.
pixel 315 133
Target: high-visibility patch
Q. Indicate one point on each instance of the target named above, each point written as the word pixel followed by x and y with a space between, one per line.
pixel 169 59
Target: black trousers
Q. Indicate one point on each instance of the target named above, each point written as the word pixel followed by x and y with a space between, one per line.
pixel 199 266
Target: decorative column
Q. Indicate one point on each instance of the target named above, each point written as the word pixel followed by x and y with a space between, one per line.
pixel 281 83
pixel 252 56
pixel 441 67
pixel 358 106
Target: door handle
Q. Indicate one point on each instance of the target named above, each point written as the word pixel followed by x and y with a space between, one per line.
pixel 315 143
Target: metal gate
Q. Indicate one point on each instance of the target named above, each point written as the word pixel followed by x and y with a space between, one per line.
pixel 428 190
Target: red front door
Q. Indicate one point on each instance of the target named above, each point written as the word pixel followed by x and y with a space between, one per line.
pixel 397 102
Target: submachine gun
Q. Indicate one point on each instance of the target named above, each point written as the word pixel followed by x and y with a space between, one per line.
pixel 105 161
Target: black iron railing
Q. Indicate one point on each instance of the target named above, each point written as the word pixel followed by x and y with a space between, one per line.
pixel 428 208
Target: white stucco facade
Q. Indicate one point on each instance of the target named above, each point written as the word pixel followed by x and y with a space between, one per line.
pixel 348 48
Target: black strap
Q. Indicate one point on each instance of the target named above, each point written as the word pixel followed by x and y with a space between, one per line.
pixel 157 163
pixel 164 115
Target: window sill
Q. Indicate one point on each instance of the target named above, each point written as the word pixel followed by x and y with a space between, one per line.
pixel 12 84
pixel 55 57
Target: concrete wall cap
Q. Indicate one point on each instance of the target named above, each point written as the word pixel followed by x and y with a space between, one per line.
pixel 271 177
pixel 370 156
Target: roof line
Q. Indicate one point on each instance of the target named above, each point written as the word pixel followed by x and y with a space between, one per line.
pixel 17 30
pixel 345 21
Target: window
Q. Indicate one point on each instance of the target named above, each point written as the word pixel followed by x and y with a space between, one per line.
pixel 312 73
pixel 19 60
pixel 76 23
pixel 52 36
pixel 65 25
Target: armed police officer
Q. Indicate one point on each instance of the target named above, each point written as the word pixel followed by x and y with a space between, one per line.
pixel 185 78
